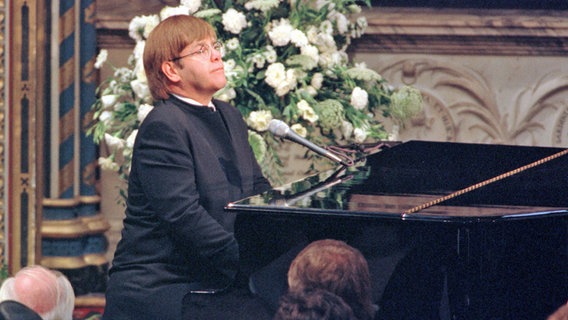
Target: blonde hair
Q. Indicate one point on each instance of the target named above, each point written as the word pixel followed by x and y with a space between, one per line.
pixel 165 43
pixel 48 292
pixel 334 266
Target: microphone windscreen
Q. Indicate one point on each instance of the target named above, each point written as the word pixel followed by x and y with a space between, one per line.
pixel 278 128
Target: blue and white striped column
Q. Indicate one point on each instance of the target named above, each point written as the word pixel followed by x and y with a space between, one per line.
pixel 72 227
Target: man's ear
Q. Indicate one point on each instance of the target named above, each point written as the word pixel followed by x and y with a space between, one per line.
pixel 170 71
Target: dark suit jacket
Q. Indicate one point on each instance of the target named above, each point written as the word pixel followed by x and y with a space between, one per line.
pixel 188 163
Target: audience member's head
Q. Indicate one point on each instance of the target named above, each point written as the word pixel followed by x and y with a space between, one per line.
pixel 47 292
pixel 316 304
pixel 334 266
pixel 560 314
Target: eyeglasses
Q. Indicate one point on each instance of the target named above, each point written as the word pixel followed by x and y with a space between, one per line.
pixel 204 51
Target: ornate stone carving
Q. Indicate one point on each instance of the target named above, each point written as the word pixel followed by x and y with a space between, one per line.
pixel 483 103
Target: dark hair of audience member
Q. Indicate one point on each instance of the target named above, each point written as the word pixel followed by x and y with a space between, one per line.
pixel 334 266
pixel 560 314
pixel 316 304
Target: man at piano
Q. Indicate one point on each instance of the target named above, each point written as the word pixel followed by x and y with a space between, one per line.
pixel 191 157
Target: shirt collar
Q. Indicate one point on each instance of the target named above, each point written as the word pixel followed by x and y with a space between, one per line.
pixel 191 101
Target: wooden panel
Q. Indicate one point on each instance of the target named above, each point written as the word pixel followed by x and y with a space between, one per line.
pixel 27 96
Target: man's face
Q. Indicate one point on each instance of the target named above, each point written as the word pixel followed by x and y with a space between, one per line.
pixel 202 72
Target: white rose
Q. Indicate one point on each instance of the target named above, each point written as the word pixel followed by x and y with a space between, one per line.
pixel 361 65
pixel 341 22
pixel 131 138
pixel 136 27
pixel 291 78
pixel 191 5
pixel 123 74
pixel 326 27
pixel 289 83
pixel 362 22
pixel 143 111
pixel 101 58
pixel 140 88
pixel 232 44
pixel 229 65
pixel 275 74
pixel 270 54
pixel 312 34
pixel 262 5
pixel 283 88
pixel 259 120
pixel 310 51
pixel 138 51
pixel 298 38
pixel 326 42
pixel 394 135
pixel 280 33
pixel 139 71
pixel 226 94
pixel 109 100
pixel 299 129
pixel 113 142
pixel 330 59
pixel 311 91
pixel 346 129
pixel 307 112
pixel 107 164
pixel 259 60
pixel 317 81
pixel 235 73
pixel 355 8
pixel 151 23
pixel 173 11
pixel 105 117
pixel 361 27
pixel 234 21
pixel 359 135
pixel 359 98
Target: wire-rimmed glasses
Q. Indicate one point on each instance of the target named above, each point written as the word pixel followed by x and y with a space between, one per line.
pixel 204 51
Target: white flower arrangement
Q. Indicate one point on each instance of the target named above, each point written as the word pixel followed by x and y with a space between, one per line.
pixel 284 59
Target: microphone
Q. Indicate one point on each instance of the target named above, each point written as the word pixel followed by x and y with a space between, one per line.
pixel 282 130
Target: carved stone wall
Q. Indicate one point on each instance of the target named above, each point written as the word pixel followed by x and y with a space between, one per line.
pixel 489 99
pixel 486 76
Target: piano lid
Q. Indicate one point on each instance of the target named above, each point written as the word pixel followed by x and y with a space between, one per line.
pixel 388 183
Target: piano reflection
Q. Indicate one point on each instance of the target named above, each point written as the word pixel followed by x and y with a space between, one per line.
pixel 450 230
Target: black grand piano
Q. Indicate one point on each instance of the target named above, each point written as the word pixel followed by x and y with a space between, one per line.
pixel 450 230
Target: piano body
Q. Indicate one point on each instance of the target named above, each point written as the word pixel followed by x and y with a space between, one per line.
pixel 497 251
